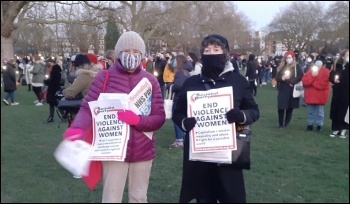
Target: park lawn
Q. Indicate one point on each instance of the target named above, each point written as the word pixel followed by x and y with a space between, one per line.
pixel 288 165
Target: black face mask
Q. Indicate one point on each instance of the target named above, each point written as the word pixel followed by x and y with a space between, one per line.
pixel 213 65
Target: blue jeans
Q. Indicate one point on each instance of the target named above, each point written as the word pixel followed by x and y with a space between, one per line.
pixel 179 134
pixel 267 75
pixel 315 114
pixel 10 95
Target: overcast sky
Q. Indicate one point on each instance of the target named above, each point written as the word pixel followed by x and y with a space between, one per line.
pixel 262 12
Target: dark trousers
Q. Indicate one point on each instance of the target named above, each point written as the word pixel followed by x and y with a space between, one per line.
pixel 37 91
pixel 227 186
pixel 252 86
pixel 281 113
pixel 339 125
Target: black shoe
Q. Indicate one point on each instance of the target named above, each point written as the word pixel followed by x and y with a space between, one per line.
pixel 310 128
pixel 319 128
pixel 49 120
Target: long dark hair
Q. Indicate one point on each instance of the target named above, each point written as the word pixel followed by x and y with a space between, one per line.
pixel 194 58
pixel 180 63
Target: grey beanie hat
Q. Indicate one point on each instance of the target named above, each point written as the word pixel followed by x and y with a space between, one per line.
pixel 130 40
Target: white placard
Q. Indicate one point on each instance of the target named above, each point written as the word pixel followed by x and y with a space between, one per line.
pixel 140 100
pixel 212 132
pixel 110 135
pixel 74 156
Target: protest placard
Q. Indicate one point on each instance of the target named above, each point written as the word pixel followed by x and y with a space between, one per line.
pixel 140 100
pixel 110 135
pixel 212 131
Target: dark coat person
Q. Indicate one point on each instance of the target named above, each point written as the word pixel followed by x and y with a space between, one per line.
pixel 205 181
pixel 251 72
pixel 9 77
pixel 339 77
pixel 53 83
pixel 285 101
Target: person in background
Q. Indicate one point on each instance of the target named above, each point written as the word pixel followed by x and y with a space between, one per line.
pixel 276 63
pixel 9 80
pixel 289 73
pixel 209 182
pixel 316 93
pixel 196 64
pixel 110 58
pixel 149 64
pixel 267 71
pixel 339 77
pixel 53 83
pixel 329 63
pixel 168 75
pixel 234 61
pixel 309 63
pixel 159 67
pixel 261 68
pixel 38 73
pixel 182 72
pixel 124 75
pixel 28 75
pixel 252 68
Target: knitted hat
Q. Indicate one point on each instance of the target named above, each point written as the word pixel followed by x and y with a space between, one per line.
pixel 222 39
pixel 130 40
pixel 93 58
pixel 289 53
pixel 81 59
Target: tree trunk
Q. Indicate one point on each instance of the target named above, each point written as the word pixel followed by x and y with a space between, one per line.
pixel 7 50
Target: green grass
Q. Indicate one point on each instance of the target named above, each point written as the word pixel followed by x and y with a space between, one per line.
pixel 288 165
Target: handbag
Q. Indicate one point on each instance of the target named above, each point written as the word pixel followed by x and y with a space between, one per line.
pixel 298 89
pixel 168 103
pixel 241 156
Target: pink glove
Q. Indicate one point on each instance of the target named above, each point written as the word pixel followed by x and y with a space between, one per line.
pixel 73 134
pixel 129 117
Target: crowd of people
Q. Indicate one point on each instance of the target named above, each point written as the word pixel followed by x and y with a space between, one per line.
pixel 83 77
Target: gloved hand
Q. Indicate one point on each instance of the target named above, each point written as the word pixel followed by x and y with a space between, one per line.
pixel 128 117
pixel 73 134
pixel 235 116
pixel 189 123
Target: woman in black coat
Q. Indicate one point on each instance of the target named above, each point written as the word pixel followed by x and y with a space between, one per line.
pixel 53 83
pixel 205 181
pixel 252 68
pixel 9 80
pixel 339 77
pixel 286 81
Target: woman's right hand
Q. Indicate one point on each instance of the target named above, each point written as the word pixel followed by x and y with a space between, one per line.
pixel 73 134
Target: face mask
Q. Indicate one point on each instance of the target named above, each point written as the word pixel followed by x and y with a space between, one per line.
pixel 213 65
pixel 347 59
pixel 289 61
pixel 167 58
pixel 309 60
pixel 129 61
pixel 318 63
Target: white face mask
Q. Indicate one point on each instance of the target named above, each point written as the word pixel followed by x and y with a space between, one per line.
pixel 289 61
pixel 309 60
pixel 347 59
pixel 318 63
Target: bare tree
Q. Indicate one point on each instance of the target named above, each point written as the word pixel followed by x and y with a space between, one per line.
pixel 300 22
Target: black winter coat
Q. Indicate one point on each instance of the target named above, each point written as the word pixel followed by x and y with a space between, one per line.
pixel 196 175
pixel 180 77
pixel 9 78
pixel 159 67
pixel 285 98
pixel 340 97
pixel 252 66
pixel 53 83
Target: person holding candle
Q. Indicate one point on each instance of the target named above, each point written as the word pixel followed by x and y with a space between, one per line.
pixel 316 93
pixel 339 77
pixel 289 73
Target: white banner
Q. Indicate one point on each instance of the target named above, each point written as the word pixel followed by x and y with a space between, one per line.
pixel 110 135
pixel 212 132
pixel 139 99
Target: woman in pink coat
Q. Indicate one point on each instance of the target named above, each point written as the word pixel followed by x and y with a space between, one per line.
pixel 123 77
